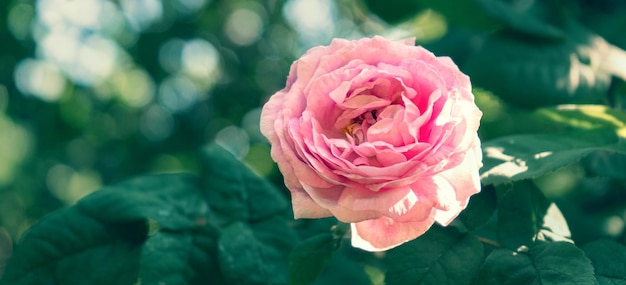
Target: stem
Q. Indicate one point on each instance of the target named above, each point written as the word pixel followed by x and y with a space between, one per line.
pixel 488 241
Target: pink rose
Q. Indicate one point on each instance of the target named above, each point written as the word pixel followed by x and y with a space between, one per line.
pixel 380 134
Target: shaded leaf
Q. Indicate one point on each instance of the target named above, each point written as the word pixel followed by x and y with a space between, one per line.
pixel 461 12
pixel 68 247
pixel 172 200
pixel 578 69
pixel 344 268
pixel 244 259
pixel 440 256
pixel 479 209
pixel 394 11
pixel 525 216
pixel 555 263
pixel 309 257
pixel 522 17
pixel 161 229
pixel 518 157
pixel 185 257
pixel 6 249
pixel 235 191
pixel 607 257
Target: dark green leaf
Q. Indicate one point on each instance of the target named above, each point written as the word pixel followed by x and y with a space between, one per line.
pixel 555 263
pixel 162 229
pixel 172 200
pixel 235 191
pixel 6 249
pixel 180 258
pixel 480 208
pixel 522 17
pixel 525 216
pixel 394 11
pixel 244 259
pixel 344 268
pixel 578 69
pixel 440 256
pixel 606 164
pixel 608 259
pixel 461 12
pixel 518 157
pixel 69 247
pixel 308 258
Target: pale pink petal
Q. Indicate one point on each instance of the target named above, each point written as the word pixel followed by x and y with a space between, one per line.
pixel 464 180
pixel 305 207
pixel 328 198
pixel 390 157
pixel 385 233
pixel 402 203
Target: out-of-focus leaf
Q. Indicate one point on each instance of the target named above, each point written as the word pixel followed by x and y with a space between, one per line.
pixel 512 158
pixel 308 258
pixel 394 11
pixel 466 13
pixel 525 216
pixel 480 208
pixel 585 117
pixel 554 263
pixel 532 72
pixel 608 259
pixel 6 249
pixel 440 256
pixel 606 164
pixel 522 17
pixel 606 18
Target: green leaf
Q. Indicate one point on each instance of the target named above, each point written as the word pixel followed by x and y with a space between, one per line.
pixel 461 12
pixel 607 257
pixel 440 256
pixel 173 201
pixel 164 229
pixel 606 164
pixel 347 267
pixel 583 117
pixel 525 216
pixel 6 249
pixel 519 157
pixel 184 257
pixel 245 259
pixel 394 11
pixel 522 17
pixel 480 208
pixel 555 263
pixel 68 247
pixel 578 69
pixel 309 257
pixel 235 192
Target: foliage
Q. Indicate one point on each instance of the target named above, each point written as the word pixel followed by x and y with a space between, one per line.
pixel 170 126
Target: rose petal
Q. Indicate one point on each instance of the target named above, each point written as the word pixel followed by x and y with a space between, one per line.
pixel 384 233
pixel 305 207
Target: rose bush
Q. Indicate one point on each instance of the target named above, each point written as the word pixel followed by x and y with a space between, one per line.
pixel 380 134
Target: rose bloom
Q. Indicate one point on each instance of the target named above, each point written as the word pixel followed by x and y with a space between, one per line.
pixel 380 134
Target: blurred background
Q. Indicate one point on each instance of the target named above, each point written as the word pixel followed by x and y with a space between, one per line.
pixel 93 92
